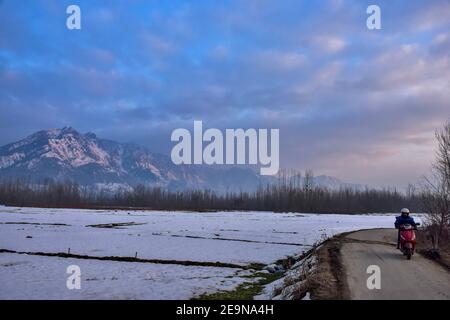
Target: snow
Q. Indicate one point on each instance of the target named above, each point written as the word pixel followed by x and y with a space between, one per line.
pixel 267 292
pixel 145 163
pixel 69 149
pixel 238 238
pixel 32 277
pixel 294 281
pixel 261 237
pixel 7 161
pixel 112 187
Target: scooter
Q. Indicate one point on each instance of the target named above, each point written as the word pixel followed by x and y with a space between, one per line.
pixel 408 239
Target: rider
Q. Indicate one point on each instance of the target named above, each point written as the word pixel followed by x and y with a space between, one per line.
pixel 404 218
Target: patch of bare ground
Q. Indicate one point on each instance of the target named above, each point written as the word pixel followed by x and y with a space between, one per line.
pixel 117 225
pixel 35 223
pixel 252 266
pixel 425 248
pixel 328 281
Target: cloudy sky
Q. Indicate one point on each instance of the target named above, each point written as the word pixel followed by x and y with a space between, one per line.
pixel 357 104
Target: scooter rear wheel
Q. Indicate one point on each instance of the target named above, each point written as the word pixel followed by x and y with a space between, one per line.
pixel 408 253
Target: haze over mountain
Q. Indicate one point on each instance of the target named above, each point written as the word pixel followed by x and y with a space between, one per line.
pixel 66 154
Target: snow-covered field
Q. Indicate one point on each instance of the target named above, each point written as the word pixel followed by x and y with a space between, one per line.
pixel 238 238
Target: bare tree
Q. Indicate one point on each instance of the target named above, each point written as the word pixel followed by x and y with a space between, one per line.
pixel 436 189
pixel 308 182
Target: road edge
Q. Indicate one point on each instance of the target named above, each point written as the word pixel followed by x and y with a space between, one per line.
pixel 330 278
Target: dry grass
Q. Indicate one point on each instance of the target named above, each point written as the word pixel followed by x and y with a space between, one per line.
pixel 325 279
pixel 424 247
pixel 329 282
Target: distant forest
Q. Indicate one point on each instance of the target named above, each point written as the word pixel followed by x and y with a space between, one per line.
pixel 289 194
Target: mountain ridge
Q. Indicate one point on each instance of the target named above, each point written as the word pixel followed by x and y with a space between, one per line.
pixel 66 154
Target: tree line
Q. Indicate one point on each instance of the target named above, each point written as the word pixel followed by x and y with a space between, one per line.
pixel 291 193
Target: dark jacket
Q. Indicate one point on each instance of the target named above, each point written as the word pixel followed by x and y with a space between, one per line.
pixel 404 220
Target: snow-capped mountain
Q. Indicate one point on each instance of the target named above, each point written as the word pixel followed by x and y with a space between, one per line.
pixel 66 154
pixel 334 183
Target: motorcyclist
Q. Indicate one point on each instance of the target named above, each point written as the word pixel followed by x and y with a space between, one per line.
pixel 404 218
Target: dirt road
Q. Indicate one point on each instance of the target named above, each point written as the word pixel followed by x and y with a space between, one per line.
pixel 418 278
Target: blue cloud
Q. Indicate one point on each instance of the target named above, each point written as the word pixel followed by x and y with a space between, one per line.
pixel 345 98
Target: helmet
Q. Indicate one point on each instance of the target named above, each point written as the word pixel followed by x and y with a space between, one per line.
pixel 405 211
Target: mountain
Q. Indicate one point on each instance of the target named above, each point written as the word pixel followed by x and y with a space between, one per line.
pixel 334 183
pixel 66 154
